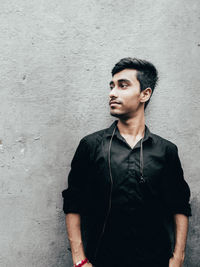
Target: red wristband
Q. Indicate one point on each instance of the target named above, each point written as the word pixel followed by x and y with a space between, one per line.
pixel 81 263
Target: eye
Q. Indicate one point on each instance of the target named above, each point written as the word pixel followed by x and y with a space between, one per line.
pixel 123 85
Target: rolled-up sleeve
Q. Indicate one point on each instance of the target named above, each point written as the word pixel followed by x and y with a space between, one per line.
pixel 175 190
pixel 73 196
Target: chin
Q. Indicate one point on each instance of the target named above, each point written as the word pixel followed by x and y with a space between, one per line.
pixel 122 116
pixel 116 115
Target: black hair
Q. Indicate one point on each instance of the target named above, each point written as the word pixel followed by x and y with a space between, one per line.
pixel 147 74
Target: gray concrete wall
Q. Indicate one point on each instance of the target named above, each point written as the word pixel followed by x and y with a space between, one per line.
pixel 55 62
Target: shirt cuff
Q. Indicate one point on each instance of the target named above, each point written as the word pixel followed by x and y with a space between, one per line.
pixel 186 210
pixel 71 203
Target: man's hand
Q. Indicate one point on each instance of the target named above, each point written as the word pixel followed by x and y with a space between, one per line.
pixel 176 261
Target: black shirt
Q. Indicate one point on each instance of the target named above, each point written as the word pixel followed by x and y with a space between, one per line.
pixel 138 225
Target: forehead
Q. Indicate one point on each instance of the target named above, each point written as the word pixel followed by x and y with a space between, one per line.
pixel 126 74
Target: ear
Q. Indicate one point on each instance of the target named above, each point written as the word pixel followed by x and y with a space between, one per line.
pixel 145 95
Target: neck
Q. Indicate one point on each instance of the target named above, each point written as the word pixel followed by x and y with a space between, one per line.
pixel 134 126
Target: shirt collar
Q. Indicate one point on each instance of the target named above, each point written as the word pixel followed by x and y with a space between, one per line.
pixel 109 131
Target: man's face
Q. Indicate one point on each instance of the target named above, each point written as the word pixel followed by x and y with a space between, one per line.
pixel 125 96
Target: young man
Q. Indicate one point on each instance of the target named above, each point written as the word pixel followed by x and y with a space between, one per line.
pixel 127 203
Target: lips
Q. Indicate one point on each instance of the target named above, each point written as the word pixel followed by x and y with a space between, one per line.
pixel 113 102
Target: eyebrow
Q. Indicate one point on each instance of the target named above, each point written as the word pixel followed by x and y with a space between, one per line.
pixel 119 81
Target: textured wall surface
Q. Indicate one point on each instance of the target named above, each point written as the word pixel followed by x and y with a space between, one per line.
pixel 55 62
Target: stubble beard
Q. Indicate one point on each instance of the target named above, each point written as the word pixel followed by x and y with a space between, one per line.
pixel 119 115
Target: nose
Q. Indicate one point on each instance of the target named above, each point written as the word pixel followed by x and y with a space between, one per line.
pixel 113 93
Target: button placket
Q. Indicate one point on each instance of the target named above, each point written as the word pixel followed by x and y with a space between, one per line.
pixel 131 164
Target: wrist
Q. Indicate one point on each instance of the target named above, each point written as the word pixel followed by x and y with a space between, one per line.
pixel 178 254
pixel 78 253
pixel 78 258
pixel 81 262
